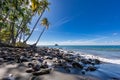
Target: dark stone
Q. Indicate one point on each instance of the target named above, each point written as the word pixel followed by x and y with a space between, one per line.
pixel 83 71
pixel 36 67
pixel 84 61
pixel 30 64
pixel 97 61
pixel 48 57
pixel 1 59
pixel 77 65
pixel 91 68
pixel 10 59
pixel 5 78
pixel 29 70
pixel 67 70
pixel 41 72
pixel 24 59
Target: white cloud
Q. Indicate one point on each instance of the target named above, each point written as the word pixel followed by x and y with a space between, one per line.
pixel 96 41
pixel 62 21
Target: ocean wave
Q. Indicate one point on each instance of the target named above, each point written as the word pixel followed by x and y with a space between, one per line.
pixel 114 61
pixel 86 55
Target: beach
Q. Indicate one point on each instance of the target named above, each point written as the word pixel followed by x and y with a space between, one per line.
pixel 62 67
pixel 109 55
pixel 60 64
pixel 59 40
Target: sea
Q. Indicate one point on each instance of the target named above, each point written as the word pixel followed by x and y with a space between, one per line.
pixel 110 55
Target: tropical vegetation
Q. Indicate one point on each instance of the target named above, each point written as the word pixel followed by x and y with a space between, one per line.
pixel 15 18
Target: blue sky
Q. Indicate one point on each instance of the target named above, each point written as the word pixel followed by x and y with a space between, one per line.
pixel 81 22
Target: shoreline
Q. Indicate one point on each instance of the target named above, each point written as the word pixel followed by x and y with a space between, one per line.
pixel 42 52
pixel 109 69
pixel 102 59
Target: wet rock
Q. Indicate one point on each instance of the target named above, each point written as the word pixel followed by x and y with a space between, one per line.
pixel 24 59
pixel 83 71
pixel 70 52
pixel 43 66
pixel 36 67
pixel 42 71
pixel 97 61
pixel 29 70
pixel 1 59
pixel 84 61
pixel 68 59
pixel 91 68
pixel 77 65
pixel 48 57
pixel 9 58
pixel 30 65
pixel 68 65
pixel 67 70
pixel 93 63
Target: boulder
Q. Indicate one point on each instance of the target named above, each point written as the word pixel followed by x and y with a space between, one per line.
pixel 1 60
pixel 87 61
pixel 84 61
pixel 97 61
pixel 91 68
pixel 29 70
pixel 83 71
pixel 9 58
pixel 67 69
pixel 77 65
pixel 48 57
pixel 30 65
pixel 42 72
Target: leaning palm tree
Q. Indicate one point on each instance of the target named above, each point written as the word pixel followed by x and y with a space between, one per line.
pixel 41 9
pixel 46 24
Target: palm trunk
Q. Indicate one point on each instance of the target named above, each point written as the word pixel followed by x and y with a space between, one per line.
pixel 20 37
pixel 40 36
pixel 0 34
pixel 20 28
pixel 23 36
pixel 34 26
pixel 12 33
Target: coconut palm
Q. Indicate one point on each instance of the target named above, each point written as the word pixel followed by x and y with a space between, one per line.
pixel 46 24
pixel 14 17
pixel 41 9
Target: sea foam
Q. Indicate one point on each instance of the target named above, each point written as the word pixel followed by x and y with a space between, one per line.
pixel 87 56
pixel 114 61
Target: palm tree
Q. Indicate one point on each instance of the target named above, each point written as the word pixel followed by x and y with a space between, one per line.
pixel 41 9
pixel 46 24
pixel 14 17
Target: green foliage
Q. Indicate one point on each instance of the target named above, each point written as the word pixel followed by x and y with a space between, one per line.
pixel 15 15
pixel 5 35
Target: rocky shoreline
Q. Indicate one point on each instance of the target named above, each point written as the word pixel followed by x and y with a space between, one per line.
pixel 45 60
